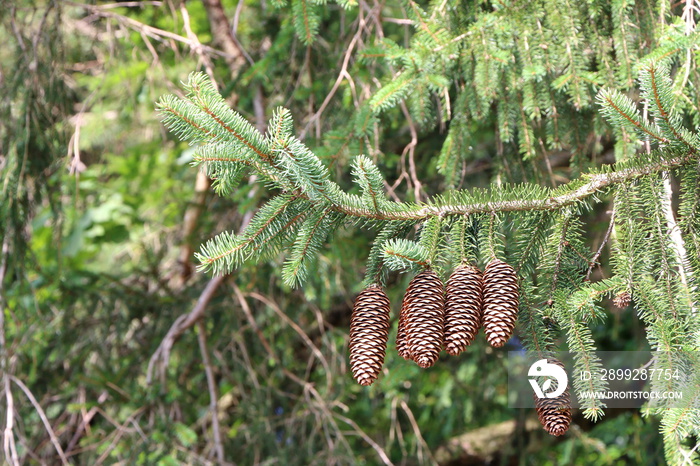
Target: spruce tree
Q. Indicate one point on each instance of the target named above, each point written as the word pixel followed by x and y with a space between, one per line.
pixel 590 105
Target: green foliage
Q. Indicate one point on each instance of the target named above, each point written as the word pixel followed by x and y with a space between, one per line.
pixel 552 239
pixel 404 254
pixel 557 136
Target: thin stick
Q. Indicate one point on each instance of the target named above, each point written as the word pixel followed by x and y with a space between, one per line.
pixel 8 442
pixel 44 419
pixel 213 396
pixel 8 438
pixel 181 324
pixel 150 31
pixel 308 387
pixel 304 336
pixel 594 260
pixel 416 431
pixel 411 149
pixel 380 451
pixel 142 4
pixel 87 418
pixel 341 75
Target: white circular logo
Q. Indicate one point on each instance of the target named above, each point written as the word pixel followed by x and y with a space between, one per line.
pixel 542 368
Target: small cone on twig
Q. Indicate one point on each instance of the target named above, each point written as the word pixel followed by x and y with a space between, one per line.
pixel 501 301
pixel 424 307
pixel 369 332
pixel 463 308
pixel 622 299
pixel 555 413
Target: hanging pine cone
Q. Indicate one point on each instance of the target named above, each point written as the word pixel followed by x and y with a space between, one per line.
pixel 369 332
pixel 555 413
pixel 463 308
pixel 424 304
pixel 500 302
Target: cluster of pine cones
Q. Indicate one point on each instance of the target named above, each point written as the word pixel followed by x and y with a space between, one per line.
pixel 434 316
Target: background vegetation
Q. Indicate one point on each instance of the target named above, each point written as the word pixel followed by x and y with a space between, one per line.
pixel 114 350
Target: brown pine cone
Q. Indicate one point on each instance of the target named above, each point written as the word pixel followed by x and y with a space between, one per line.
pixel 463 308
pixel 555 413
pixel 424 304
pixel 369 332
pixel 622 299
pixel 501 301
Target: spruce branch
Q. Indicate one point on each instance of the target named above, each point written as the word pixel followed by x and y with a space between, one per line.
pixel 306 20
pixel 392 92
pixel 402 254
pixel 272 227
pixel 309 240
pixel 621 111
pixel 431 236
pixel 571 317
pixel 375 261
pixel 304 168
pixel 657 89
pixel 230 147
pixel 370 179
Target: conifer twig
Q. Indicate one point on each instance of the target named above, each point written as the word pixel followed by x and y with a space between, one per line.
pixel 596 183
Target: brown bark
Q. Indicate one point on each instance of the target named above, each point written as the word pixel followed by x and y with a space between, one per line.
pixel 482 445
pixel 222 33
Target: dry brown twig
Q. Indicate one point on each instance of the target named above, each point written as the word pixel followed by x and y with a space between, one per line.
pixel 149 31
pixel 410 149
pixel 342 74
pixel 119 432
pixel 86 419
pixel 285 318
pixel 8 437
pixel 182 323
pixel 213 395
pixel 314 398
pixel 43 417
pixel 422 444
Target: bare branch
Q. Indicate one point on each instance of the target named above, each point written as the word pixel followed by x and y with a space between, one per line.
pixel 223 34
pixel 87 418
pixel 213 395
pixel 181 324
pixel 150 31
pixel 8 437
pixel 596 256
pixel 44 418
